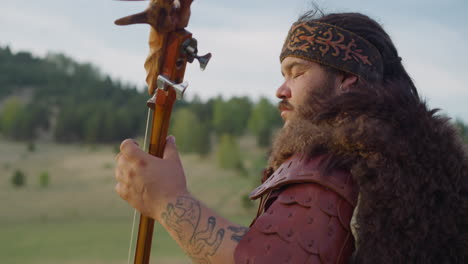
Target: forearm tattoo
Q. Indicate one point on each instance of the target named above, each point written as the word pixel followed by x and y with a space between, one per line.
pixel 238 232
pixel 200 240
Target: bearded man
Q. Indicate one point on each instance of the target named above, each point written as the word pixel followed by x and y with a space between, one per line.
pixel 355 131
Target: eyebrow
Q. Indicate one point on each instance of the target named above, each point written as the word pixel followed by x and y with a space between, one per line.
pixel 290 66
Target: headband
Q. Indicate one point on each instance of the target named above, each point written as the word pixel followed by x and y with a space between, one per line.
pixel 335 47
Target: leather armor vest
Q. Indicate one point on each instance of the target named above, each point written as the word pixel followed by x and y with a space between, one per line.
pixel 305 217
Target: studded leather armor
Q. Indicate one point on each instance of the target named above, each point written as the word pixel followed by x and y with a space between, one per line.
pixel 305 217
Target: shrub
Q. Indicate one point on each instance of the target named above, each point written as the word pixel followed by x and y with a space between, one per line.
pixel 44 179
pixel 18 179
pixel 31 147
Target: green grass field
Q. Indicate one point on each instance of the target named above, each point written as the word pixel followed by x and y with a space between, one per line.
pixel 79 218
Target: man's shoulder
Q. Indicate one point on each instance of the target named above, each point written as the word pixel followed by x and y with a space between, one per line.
pixel 301 169
pixel 305 223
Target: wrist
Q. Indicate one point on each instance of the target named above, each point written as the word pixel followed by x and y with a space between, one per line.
pixel 169 198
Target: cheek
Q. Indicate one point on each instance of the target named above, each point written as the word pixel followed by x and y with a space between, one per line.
pixel 301 92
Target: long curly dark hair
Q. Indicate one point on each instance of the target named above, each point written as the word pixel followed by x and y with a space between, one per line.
pixel 412 170
pixel 409 162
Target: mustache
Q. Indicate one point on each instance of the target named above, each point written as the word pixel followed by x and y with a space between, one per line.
pixel 285 105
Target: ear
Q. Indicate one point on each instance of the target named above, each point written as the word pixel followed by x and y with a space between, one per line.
pixel 347 82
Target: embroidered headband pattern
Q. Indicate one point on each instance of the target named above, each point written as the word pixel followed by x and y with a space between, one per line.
pixel 335 47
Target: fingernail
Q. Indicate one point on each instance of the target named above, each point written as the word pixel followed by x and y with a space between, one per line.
pixel 136 143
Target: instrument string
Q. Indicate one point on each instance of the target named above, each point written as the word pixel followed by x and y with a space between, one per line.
pixel 132 235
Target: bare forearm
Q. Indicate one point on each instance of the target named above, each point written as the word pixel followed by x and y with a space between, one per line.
pixel 201 233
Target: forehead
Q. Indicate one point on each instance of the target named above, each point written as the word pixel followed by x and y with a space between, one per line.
pixel 290 62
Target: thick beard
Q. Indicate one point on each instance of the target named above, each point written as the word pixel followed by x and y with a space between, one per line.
pixel 301 130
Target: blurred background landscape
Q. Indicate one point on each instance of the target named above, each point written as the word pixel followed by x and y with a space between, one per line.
pixel 61 123
pixel 72 88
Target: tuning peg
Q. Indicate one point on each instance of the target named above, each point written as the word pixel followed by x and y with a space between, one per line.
pixel 179 88
pixel 190 48
pixel 203 60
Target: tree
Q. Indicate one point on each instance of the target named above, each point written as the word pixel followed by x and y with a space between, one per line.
pixel 242 108
pixel 93 128
pixel 202 139
pixel 263 120
pixel 10 116
pixel 204 111
pixel 21 122
pixel 230 117
pixel 86 104
pixel 67 128
pixel 229 156
pixel 191 134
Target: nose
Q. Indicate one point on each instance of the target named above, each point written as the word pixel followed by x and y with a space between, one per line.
pixel 283 91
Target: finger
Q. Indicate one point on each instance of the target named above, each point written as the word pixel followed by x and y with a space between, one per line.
pixel 121 191
pixel 130 149
pixel 123 163
pixel 120 176
pixel 128 141
pixel 170 151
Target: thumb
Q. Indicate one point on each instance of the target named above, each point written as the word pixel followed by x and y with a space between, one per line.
pixel 131 150
pixel 170 150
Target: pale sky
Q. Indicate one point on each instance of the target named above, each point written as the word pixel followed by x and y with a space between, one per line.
pixel 245 37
